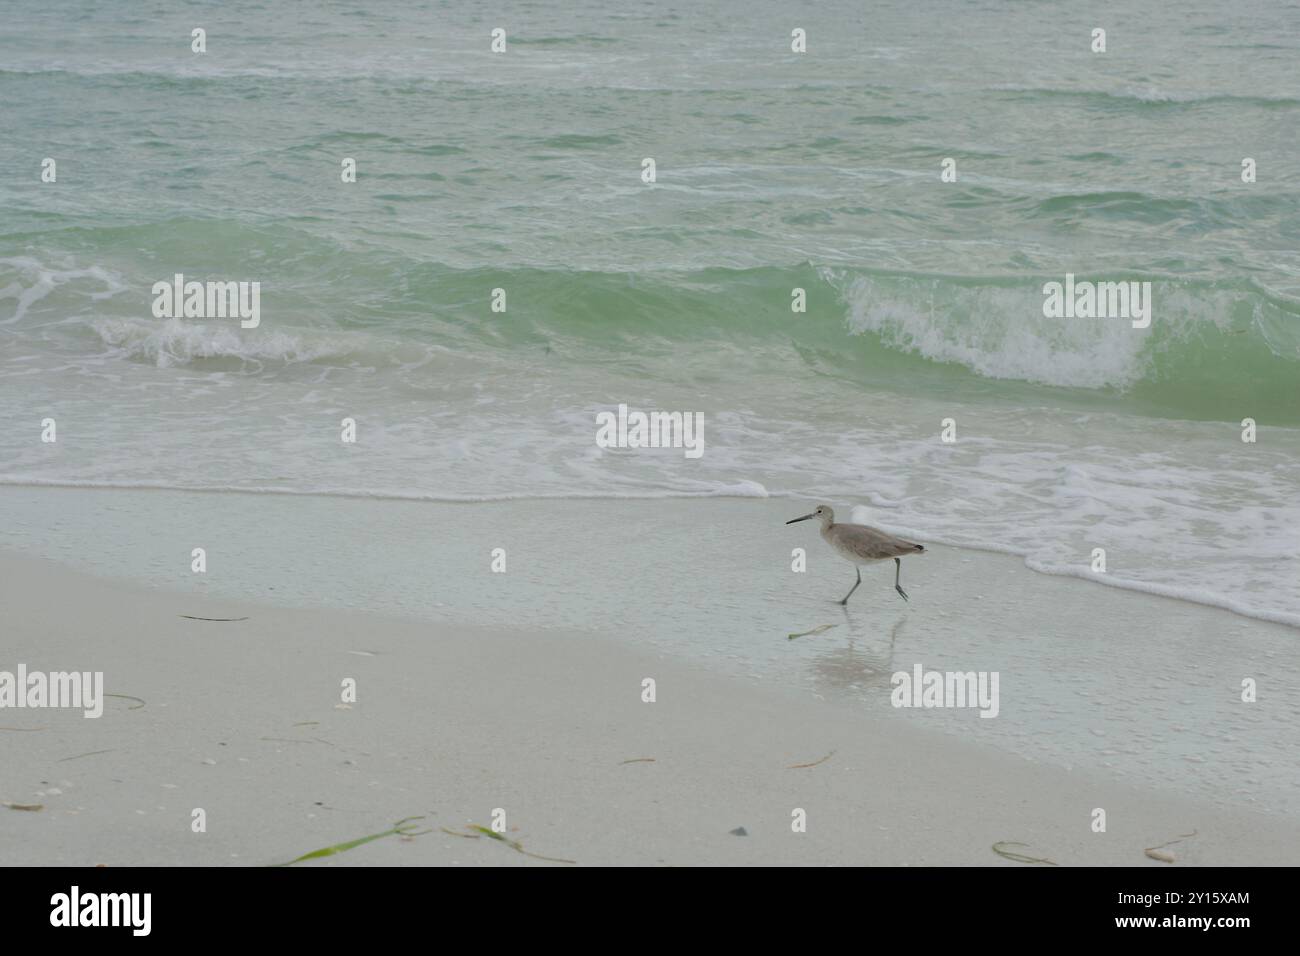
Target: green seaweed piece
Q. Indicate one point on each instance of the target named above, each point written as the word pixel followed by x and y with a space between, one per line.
pixel 400 828
pixel 128 697
pixel 815 630
pixel 1018 857
pixel 513 844
pixel 88 754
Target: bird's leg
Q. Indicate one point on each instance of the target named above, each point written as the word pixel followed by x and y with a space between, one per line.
pixel 852 589
pixel 898 569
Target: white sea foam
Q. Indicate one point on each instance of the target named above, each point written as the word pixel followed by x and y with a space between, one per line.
pixel 1000 333
pixel 171 342
pixel 35 280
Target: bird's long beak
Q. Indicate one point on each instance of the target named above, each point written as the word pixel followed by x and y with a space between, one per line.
pixel 804 518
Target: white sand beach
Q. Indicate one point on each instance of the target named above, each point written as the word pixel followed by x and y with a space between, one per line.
pixel 452 721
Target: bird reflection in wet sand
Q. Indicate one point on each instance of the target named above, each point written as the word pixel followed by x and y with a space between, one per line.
pixel 847 668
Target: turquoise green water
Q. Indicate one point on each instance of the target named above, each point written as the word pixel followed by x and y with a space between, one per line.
pixel 775 170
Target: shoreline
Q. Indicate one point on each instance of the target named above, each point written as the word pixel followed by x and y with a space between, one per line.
pixel 242 720
pixel 1151 589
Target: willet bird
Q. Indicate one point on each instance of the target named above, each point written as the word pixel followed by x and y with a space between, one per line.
pixel 862 545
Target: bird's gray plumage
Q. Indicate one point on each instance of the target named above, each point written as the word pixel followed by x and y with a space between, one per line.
pixel 861 544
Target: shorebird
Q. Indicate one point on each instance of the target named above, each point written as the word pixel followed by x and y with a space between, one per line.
pixel 862 545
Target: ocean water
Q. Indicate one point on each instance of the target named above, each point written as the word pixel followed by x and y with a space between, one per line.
pixel 775 170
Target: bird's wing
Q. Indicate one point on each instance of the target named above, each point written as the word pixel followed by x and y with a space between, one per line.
pixel 881 544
